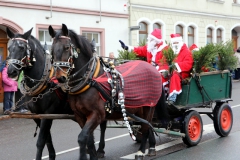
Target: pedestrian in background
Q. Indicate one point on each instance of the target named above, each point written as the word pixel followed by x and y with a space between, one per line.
pixel 112 58
pixel 9 87
pixel 237 71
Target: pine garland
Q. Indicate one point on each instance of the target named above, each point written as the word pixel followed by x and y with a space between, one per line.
pixel 226 59
pixel 204 58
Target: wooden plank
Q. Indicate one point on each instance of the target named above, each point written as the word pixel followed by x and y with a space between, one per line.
pixel 5 117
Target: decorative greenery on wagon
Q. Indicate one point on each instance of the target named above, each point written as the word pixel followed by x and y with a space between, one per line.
pixel 226 59
pixel 218 56
pixel 205 58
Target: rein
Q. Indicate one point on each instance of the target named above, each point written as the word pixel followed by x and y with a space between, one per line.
pixel 39 87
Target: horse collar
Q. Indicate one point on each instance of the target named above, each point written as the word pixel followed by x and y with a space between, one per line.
pixel 38 88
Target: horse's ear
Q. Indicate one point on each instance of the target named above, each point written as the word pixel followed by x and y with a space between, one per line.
pixel 64 30
pixel 27 34
pixel 10 33
pixel 51 31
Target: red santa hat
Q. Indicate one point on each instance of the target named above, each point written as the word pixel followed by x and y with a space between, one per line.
pixel 176 38
pixel 194 47
pixel 156 35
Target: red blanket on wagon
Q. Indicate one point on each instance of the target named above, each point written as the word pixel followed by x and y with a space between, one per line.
pixel 142 83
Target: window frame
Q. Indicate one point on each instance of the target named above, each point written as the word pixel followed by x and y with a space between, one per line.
pixel 101 31
pixel 45 28
pixel 210 36
pixel 145 32
pixel 191 35
pixel 219 37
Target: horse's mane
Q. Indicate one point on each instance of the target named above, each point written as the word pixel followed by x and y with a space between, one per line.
pixel 81 42
pixel 37 43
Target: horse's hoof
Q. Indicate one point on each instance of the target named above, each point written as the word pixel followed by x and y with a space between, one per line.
pixel 152 152
pixel 139 157
pixel 100 154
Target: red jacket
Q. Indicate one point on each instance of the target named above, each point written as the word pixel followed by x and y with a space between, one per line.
pixel 158 59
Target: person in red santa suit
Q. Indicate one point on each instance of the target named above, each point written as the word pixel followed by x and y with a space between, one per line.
pixel 193 48
pixel 153 51
pixel 182 65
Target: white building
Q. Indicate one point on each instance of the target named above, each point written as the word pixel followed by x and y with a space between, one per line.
pixel 104 20
pixel 198 21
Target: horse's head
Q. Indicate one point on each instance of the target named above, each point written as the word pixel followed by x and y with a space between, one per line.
pixel 19 53
pixel 61 52
pixel 67 48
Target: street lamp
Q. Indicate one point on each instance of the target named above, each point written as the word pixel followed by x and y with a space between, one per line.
pixel 132 28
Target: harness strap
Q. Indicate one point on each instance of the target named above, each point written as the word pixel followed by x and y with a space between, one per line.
pixel 99 88
pixel 95 74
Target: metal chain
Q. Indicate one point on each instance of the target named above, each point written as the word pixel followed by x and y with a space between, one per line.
pixel 34 99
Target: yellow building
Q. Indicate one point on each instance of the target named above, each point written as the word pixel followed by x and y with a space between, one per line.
pixel 198 21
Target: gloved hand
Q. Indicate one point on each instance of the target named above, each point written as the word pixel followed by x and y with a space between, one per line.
pixel 165 74
pixel 123 45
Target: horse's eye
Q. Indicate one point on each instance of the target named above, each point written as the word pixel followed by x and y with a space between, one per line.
pixel 67 47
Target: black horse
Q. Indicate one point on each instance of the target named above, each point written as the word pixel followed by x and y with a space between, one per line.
pixel 95 95
pixel 29 56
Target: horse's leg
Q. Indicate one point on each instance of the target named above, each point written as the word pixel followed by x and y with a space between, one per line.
pixel 100 151
pixel 147 115
pixel 152 143
pixel 51 150
pixel 86 136
pixel 45 127
pixel 142 148
pixel 91 147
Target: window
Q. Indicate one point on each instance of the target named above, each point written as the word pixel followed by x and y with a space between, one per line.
pixel 93 35
pixel 44 36
pixel 179 30
pixel 156 25
pixel 219 35
pixel 143 32
pixel 190 36
pixel 209 35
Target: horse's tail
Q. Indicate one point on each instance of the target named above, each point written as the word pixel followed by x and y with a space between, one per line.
pixel 162 108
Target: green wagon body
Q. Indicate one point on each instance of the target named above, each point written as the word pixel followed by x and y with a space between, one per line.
pixel 217 85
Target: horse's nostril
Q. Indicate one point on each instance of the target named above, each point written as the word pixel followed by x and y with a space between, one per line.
pixel 62 79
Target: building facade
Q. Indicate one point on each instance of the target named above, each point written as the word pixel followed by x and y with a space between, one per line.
pixel 104 20
pixel 198 21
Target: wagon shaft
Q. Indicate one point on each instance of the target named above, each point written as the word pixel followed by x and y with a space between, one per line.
pixel 41 116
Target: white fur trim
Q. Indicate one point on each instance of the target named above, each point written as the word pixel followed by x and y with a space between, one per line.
pixel 130 48
pixel 162 46
pixel 176 39
pixel 153 37
pixel 196 49
pixel 174 91
pixel 163 70
pixel 164 84
pixel 178 68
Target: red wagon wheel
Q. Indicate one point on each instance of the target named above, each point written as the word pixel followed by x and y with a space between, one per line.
pixel 193 128
pixel 223 119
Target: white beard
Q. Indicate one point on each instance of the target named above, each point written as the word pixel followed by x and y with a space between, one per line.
pixel 151 46
pixel 177 47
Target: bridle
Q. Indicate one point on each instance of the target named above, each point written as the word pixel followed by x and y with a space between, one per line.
pixel 93 68
pixel 69 64
pixel 26 60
